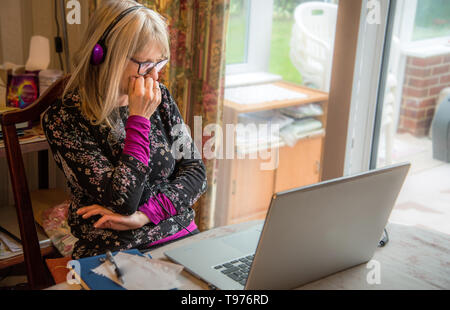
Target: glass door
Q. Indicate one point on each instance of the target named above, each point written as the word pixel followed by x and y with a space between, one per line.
pixel 413 111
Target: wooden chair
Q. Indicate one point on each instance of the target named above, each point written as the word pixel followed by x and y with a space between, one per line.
pixel 37 273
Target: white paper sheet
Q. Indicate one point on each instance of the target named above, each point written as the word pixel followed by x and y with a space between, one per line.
pixel 142 273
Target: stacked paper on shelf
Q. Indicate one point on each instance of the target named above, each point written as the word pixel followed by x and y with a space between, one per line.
pixel 47 78
pixel 10 224
pixel 297 130
pixel 270 117
pixel 302 111
pixel 260 130
pixel 279 130
pixel 9 247
pixel 255 94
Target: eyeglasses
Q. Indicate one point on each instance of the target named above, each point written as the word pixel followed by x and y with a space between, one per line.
pixel 146 67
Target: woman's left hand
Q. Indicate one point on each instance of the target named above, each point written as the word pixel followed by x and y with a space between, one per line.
pixel 111 220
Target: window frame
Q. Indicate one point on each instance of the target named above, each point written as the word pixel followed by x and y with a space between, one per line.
pixel 258 42
pixel 409 7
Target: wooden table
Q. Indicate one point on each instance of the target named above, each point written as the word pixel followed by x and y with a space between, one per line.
pixel 414 258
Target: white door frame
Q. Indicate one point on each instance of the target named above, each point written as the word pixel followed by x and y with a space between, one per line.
pixel 368 68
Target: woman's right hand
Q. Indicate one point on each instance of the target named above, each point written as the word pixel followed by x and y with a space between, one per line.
pixel 144 96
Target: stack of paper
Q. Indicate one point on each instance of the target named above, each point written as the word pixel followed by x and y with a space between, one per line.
pixel 9 247
pixel 141 272
pixel 297 130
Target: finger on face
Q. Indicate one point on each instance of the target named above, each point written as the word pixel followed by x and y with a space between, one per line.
pixel 158 92
pixel 131 84
pixel 157 99
pixel 139 86
pixel 149 82
pixel 149 87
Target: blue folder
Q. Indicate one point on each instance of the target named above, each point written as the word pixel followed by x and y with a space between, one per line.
pixel 98 282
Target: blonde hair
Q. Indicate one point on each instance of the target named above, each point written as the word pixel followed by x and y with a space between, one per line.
pixel 98 86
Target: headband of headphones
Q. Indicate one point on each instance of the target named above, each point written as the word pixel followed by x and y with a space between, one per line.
pixel 100 49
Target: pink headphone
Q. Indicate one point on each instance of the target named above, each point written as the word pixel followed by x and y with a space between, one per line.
pixel 100 49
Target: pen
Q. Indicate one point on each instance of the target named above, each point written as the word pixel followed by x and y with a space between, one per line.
pixel 110 257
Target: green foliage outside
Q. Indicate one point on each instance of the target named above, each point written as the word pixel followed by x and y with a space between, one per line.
pixel 432 19
pixel 282 23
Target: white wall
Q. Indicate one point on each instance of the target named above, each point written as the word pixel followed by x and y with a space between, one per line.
pixel 19 20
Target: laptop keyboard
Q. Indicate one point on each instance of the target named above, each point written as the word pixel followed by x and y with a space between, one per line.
pixel 237 269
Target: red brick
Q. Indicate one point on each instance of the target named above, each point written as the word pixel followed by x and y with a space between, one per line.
pixel 411 103
pixel 422 83
pixel 414 92
pixel 436 90
pixel 409 124
pixel 417 72
pixel 420 132
pixel 447 59
pixel 427 103
pixel 425 62
pixel 417 61
pixel 425 123
pixel 416 114
pixel 430 112
pixel 406 112
pixel 445 79
pixel 440 69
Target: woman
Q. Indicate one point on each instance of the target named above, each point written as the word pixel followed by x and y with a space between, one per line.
pixel 116 136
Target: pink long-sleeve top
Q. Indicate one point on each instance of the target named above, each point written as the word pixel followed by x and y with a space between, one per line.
pixel 137 144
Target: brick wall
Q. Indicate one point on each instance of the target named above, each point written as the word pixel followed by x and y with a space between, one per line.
pixel 424 80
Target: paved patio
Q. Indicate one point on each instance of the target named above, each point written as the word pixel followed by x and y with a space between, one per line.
pixel 424 200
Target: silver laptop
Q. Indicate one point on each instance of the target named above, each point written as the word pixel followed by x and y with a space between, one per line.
pixel 309 233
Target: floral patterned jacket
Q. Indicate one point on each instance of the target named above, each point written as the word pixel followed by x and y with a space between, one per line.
pixel 97 172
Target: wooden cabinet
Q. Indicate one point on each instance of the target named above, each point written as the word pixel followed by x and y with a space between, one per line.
pixel 299 165
pixel 245 184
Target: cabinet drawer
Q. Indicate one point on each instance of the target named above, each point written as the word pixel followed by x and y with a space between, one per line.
pixel 251 188
pixel 299 165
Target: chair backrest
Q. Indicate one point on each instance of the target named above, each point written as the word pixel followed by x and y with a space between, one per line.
pixel 312 41
pixel 36 271
pixel 318 18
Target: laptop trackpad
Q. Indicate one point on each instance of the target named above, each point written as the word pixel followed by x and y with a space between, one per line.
pixel 244 242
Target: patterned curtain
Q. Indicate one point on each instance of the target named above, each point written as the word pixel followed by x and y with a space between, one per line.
pixel 195 75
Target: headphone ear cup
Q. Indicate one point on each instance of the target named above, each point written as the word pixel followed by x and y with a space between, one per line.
pixel 98 54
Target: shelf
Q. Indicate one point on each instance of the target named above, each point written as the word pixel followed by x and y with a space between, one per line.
pixel 313 96
pixel 282 167
pixel 8 262
pixel 33 141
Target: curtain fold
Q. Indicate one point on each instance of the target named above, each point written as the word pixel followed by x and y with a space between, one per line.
pixel 195 75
